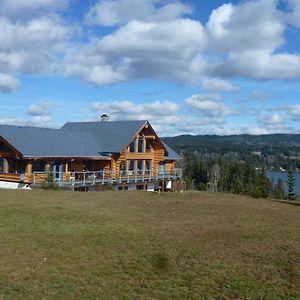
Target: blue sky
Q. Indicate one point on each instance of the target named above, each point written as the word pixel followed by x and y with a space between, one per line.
pixel 189 67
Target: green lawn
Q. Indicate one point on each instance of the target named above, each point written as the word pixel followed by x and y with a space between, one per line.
pixel 139 245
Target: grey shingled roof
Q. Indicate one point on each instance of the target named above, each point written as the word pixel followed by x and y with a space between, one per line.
pixel 78 139
pixel 48 142
pixel 171 153
pixel 111 136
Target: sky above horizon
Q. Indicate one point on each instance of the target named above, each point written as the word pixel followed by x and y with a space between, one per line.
pixel 189 67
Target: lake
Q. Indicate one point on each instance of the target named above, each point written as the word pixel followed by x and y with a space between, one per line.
pixel 283 175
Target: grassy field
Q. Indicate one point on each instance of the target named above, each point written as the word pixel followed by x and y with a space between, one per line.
pixel 138 245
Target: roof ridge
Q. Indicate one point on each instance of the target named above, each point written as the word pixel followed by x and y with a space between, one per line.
pixel 26 126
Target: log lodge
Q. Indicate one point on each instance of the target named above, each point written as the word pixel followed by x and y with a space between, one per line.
pixel 126 155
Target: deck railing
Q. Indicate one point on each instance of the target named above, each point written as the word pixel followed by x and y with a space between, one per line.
pixel 106 177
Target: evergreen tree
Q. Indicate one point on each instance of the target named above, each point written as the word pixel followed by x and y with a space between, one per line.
pixel 264 184
pixel 50 183
pixel 279 189
pixel 291 183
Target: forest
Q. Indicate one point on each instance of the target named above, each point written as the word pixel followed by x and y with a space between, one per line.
pixel 238 164
pixel 272 151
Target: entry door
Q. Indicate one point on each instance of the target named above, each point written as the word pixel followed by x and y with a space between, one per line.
pixel 57 168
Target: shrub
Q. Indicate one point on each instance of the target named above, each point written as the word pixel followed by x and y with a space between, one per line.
pixel 49 183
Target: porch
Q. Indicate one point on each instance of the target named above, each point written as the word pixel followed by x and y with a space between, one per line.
pixel 92 178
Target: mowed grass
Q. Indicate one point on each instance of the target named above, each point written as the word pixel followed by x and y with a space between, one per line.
pixel 139 245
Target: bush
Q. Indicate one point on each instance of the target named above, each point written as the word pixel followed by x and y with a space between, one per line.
pixel 108 187
pixel 49 183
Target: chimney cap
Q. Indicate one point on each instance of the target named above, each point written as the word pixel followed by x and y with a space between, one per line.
pixel 104 117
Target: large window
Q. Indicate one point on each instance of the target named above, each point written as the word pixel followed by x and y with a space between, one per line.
pixel 141 145
pixel 131 167
pixel 148 165
pixel 122 168
pixel 39 166
pixel 21 166
pixel 140 166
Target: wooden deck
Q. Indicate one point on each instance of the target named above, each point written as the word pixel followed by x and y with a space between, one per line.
pixel 77 179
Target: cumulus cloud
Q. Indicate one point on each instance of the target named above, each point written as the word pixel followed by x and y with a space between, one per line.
pixel 168 50
pixel 209 105
pixel 37 121
pixel 31 46
pixel 118 12
pixel 251 47
pixel 217 84
pixel 8 83
pixel 273 123
pixel 40 109
pixel 293 111
pixel 294 17
pixel 128 109
pixel 260 95
pixel 21 7
pixel 163 115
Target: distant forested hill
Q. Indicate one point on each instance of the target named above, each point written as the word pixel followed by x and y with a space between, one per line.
pixel 272 150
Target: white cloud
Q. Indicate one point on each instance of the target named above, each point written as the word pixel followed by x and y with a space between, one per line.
pixel 217 84
pixel 209 105
pixel 260 95
pixel 129 110
pixel 251 25
pixel 163 115
pixel 40 109
pixel 250 34
pixel 168 50
pixel 273 123
pixel 37 121
pixel 294 111
pixel 32 46
pixel 294 16
pixel 8 83
pixel 118 12
pixel 23 7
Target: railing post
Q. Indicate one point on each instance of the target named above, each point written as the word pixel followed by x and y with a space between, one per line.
pixel 103 177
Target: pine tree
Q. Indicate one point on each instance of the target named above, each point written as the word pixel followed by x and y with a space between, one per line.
pixel 50 183
pixel 291 183
pixel 279 189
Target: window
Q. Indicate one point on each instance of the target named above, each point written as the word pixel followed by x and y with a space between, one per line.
pixel 38 166
pixel 140 187
pixel 12 166
pixel 131 147
pixel 1 165
pixel 21 166
pixel 131 167
pixel 148 167
pixel 148 146
pixel 141 145
pixel 87 165
pixel 140 165
pixel 122 168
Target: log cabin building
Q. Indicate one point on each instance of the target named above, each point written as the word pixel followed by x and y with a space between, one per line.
pixel 88 155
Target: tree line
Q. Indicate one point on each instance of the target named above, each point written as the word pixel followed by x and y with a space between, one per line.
pixel 237 177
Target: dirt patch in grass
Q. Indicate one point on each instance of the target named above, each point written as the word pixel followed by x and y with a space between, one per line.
pixel 138 245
